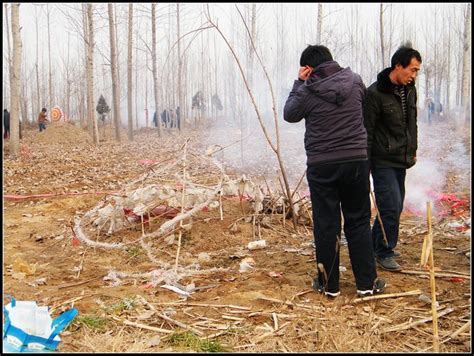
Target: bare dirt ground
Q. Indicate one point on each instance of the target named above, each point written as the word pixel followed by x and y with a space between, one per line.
pixel 269 308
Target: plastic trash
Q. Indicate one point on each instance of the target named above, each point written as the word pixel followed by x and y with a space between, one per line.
pixel 255 245
pixel 29 328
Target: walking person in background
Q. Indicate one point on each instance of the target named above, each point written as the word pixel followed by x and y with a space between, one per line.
pixel 390 117
pixel 42 119
pixel 329 98
pixel 6 124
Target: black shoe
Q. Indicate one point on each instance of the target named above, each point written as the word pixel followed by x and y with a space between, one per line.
pixel 389 264
pixel 379 287
pixel 320 289
pixel 396 254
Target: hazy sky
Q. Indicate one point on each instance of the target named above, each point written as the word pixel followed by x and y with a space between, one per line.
pixel 423 26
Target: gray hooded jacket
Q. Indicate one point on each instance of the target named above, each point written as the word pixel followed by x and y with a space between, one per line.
pixel 330 101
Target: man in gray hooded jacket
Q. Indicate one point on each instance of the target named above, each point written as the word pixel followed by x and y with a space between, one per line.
pixel 330 98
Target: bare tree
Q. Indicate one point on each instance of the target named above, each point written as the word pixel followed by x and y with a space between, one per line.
pixel 319 24
pixel 136 81
pixel 448 66
pixel 274 146
pixel 180 67
pixel 382 40
pixel 466 63
pixel 15 82
pixel 115 84
pixel 153 57
pixel 38 92
pixel 50 80
pixel 252 39
pixel 129 72
pixel 90 76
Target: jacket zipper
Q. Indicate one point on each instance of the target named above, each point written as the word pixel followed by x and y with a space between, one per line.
pixel 406 126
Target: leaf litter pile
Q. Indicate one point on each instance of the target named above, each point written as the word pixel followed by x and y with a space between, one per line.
pixel 153 242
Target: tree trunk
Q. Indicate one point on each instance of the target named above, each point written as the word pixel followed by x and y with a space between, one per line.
pixel 253 35
pixel 466 65
pixel 129 72
pixel 136 81
pixel 180 66
pixel 50 81
pixel 9 54
pixel 382 45
pixel 115 88
pixel 146 87
pixel 319 23
pixel 155 71
pixel 85 93
pixel 15 83
pixel 90 77
pixel 448 67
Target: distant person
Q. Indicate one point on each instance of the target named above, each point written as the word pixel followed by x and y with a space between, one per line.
pixel 329 98
pixel 42 119
pixel 390 118
pixel 216 102
pixel 431 108
pixel 155 120
pixel 165 117
pixel 6 124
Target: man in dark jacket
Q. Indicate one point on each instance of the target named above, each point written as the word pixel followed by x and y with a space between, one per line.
pixel 390 117
pixel 329 98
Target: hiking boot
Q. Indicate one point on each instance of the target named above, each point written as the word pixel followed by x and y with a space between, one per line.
pixel 389 264
pixel 396 254
pixel 320 289
pixel 379 287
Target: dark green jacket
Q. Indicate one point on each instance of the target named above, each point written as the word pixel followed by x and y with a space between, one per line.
pixel 391 141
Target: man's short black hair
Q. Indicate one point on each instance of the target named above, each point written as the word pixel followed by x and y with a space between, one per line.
pixel 315 55
pixel 43 110
pixel 403 56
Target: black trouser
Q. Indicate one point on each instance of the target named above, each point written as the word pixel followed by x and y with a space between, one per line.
pixel 389 189
pixel 334 187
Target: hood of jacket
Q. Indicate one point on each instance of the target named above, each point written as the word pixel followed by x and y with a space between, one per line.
pixel 384 84
pixel 331 82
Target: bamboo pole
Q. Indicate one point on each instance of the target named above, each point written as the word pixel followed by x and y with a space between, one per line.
pixel 429 250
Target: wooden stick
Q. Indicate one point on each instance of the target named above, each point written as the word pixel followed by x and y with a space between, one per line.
pixel 181 325
pixel 437 274
pixel 79 283
pixel 405 326
pixel 182 207
pixel 205 305
pixel 143 326
pixel 273 300
pixel 384 296
pixel 284 213
pixel 220 206
pixel 80 266
pixel 379 217
pixel 299 182
pixel 434 312
pixel 460 330
pixel 275 321
pixel 253 227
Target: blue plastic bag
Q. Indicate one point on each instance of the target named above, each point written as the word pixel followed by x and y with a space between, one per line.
pixel 16 339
